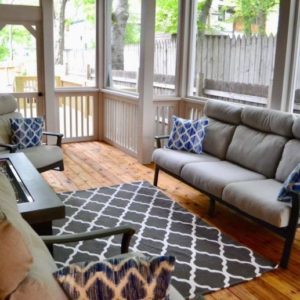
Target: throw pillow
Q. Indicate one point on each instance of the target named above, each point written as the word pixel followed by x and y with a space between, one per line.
pixel 187 135
pixel 118 278
pixel 26 132
pixel 15 258
pixel 292 183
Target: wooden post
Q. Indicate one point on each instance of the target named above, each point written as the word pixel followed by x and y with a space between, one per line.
pixel 146 122
pixel 52 115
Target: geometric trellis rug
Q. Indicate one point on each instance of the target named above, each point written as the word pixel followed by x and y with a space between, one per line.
pixel 206 259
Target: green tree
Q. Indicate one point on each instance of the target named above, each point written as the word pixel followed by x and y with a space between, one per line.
pixel 254 12
pixel 166 16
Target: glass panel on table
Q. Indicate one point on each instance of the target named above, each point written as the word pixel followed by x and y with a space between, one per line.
pixel 233 50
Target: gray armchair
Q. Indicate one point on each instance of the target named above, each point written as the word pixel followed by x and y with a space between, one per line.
pixel 44 157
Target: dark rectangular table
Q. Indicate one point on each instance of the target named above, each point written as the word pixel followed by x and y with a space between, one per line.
pixel 45 206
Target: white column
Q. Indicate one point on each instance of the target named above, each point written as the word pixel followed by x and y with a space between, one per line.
pixel 280 97
pixel 145 84
pixel 51 105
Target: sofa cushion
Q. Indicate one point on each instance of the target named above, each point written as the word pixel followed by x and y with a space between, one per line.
pixel 212 177
pixel 218 136
pixel 5 131
pixel 289 160
pixel 174 160
pixel 259 199
pixel 26 132
pixel 35 290
pixel 296 128
pixel 8 104
pixel 43 263
pixel 125 277
pixel 269 121
pixel 15 258
pixel 223 111
pixel 187 135
pixel 256 150
pixel 43 155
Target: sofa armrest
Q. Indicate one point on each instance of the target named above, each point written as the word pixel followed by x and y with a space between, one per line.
pixel 10 147
pixel 158 139
pixel 58 135
pixel 127 232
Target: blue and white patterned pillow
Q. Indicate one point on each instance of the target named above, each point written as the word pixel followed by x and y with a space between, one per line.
pixel 26 132
pixel 292 183
pixel 124 277
pixel 187 135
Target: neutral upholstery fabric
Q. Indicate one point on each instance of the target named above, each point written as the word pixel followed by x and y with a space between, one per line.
pixel 289 160
pixel 5 131
pixel 269 121
pixel 218 135
pixel 256 150
pixel 8 104
pixel 15 258
pixel 259 199
pixel 34 290
pixel 212 177
pixel 296 128
pixel 43 263
pixel 221 111
pixel 174 160
pixel 43 155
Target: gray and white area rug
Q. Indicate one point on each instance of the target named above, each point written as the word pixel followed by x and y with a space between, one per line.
pixel 206 259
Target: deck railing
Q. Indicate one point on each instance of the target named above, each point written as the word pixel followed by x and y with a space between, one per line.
pixel 78 115
pixel 27 104
pixel 120 122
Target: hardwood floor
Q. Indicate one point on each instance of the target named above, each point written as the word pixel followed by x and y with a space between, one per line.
pixel 93 164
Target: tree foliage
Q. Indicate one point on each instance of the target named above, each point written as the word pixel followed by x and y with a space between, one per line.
pixel 254 12
pixel 166 16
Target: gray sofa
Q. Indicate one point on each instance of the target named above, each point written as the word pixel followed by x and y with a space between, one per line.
pixel 248 153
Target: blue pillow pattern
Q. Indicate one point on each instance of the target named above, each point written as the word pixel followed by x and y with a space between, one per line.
pixel 26 132
pixel 128 278
pixel 292 183
pixel 187 135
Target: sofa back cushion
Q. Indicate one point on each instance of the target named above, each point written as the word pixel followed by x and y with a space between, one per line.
pixel 222 121
pixel 296 128
pixel 255 150
pixel 5 131
pixel 289 160
pixel 269 121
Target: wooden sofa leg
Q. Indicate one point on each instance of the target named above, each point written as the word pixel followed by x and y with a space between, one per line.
pixel 156 175
pixel 61 166
pixel 212 206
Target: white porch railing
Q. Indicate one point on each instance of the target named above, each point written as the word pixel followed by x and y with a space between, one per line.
pixel 121 117
pixel 120 122
pixel 27 104
pixel 78 115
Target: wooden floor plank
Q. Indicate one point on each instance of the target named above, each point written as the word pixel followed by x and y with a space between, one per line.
pixel 94 164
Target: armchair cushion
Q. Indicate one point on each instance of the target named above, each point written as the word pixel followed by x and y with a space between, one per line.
pixel 187 135
pixel 26 132
pixel 43 155
pixel 127 276
pixel 15 258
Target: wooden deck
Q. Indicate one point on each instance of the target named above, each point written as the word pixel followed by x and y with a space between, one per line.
pixel 93 164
